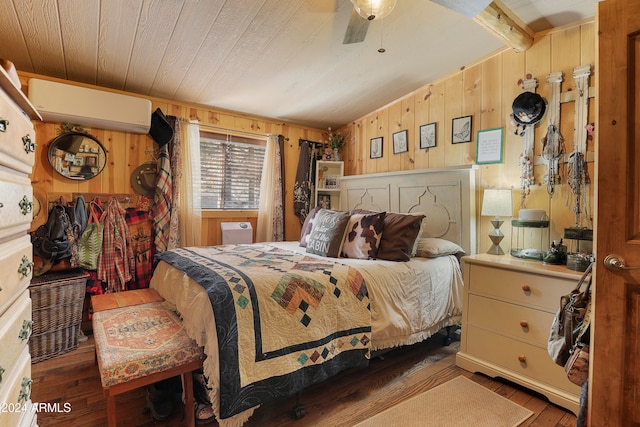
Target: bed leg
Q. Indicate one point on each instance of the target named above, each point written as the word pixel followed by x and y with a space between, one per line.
pixel 298 410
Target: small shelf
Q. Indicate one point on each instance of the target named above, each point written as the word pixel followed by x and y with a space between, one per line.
pixel 327 184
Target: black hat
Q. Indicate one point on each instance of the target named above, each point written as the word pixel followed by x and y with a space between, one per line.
pixel 161 131
pixel 528 108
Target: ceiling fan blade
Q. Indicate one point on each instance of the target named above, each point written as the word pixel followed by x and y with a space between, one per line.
pixel 468 8
pixel 356 30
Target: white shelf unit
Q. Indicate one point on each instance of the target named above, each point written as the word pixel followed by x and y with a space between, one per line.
pixel 327 184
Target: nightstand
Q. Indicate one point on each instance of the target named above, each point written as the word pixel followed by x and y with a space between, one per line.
pixel 509 305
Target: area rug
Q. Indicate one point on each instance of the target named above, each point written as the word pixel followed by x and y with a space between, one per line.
pixel 459 402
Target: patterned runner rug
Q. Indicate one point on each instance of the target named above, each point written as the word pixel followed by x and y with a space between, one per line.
pixel 459 402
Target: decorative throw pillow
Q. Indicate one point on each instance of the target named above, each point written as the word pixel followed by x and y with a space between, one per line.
pixel 307 225
pixel 327 233
pixel 362 237
pixel 400 233
pixel 432 247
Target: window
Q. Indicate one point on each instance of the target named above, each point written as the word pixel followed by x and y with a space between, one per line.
pixel 231 169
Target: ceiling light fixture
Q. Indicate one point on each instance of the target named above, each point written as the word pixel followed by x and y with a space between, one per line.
pixel 373 9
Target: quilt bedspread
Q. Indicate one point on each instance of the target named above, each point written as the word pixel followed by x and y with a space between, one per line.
pixel 284 320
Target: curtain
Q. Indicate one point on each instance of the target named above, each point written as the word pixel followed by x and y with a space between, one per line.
pixel 271 208
pixel 190 221
pixel 302 186
pixel 176 180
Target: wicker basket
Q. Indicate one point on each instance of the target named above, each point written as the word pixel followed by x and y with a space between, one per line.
pixel 57 301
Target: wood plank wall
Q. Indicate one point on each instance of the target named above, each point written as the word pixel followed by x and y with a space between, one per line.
pixel 126 151
pixel 486 90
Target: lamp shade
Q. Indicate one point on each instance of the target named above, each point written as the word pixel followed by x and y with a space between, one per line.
pixel 374 9
pixel 497 203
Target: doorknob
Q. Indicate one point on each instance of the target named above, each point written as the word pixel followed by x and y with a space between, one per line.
pixel 615 262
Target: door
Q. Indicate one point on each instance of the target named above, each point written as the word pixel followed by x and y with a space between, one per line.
pixel 615 377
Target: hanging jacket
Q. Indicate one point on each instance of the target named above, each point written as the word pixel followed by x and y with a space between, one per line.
pixel 116 264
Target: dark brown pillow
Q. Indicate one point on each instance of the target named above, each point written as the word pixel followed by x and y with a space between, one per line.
pixel 400 233
pixel 307 226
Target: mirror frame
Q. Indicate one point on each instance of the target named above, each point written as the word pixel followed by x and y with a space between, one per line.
pixel 93 161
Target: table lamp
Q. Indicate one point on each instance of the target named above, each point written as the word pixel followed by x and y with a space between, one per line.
pixel 496 203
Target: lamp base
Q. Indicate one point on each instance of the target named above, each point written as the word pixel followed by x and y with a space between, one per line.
pixel 496 237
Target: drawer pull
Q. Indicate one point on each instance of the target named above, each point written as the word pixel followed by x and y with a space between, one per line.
pixel 522 358
pixel 25 332
pixel 29 146
pixel 3 125
pixel 524 324
pixel 2 371
pixel 25 206
pixel 25 390
pixel 26 267
pixel 526 288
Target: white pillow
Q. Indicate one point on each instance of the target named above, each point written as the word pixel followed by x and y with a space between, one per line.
pixel 432 247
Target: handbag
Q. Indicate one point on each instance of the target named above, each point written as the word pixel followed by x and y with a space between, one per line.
pixel 90 243
pixel 50 241
pixel 568 326
pixel 577 366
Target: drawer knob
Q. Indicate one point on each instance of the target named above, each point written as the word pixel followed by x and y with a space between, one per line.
pixel 26 267
pixel 25 390
pixel 522 358
pixel 29 146
pixel 25 206
pixel 27 327
pixel 2 371
pixel 524 324
pixel 3 125
pixel 526 288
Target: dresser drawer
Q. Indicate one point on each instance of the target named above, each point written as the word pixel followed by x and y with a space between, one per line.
pixel 523 323
pixel 16 267
pixel 505 352
pixel 15 391
pixel 17 137
pixel 16 204
pixel 530 290
pixel 15 329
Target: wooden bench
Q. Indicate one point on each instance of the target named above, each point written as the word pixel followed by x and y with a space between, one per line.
pixel 139 342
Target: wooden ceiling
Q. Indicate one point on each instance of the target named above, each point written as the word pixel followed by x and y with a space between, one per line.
pixel 282 59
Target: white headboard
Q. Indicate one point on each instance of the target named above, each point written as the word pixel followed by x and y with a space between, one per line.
pixel 446 196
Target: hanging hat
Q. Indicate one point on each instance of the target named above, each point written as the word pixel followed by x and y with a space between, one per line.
pixel 528 108
pixel 143 179
pixel 161 131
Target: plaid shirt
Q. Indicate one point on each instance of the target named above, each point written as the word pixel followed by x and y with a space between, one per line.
pixel 162 203
pixel 116 263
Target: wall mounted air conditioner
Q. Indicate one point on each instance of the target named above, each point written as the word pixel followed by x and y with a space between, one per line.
pixel 64 103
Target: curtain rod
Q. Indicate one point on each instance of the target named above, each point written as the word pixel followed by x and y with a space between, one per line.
pixel 232 130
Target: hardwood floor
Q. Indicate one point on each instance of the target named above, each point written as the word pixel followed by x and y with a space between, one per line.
pixel 342 401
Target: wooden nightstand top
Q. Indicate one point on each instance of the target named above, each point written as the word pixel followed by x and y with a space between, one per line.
pixel 523 265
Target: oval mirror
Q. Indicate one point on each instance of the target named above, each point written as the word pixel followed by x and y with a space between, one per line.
pixel 77 155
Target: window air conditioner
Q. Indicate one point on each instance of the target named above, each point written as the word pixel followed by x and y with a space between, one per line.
pixel 64 103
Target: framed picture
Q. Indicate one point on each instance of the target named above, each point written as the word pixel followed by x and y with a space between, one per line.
pixel 375 148
pixel 91 160
pixel 428 136
pixel 400 144
pixel 324 201
pixel 78 161
pixel 489 146
pixel 461 130
pixel 331 182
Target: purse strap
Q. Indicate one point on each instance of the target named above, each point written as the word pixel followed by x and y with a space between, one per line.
pixel 586 277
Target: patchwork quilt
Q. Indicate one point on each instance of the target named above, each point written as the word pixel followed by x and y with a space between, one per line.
pixel 284 320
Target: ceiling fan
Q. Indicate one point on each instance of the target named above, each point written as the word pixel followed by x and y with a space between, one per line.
pixel 365 11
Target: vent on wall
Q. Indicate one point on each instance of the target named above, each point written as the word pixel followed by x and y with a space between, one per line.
pixel 60 102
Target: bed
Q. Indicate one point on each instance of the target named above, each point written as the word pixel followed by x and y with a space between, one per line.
pixel 286 318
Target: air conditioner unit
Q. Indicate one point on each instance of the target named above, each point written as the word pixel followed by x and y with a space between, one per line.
pixel 64 103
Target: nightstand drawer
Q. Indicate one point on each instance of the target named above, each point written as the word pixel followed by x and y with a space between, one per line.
pixel 15 392
pixel 505 352
pixel 523 323
pixel 15 330
pixel 530 290
pixel 16 267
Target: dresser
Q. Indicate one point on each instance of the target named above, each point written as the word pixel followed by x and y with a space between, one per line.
pixel 509 305
pixel 17 157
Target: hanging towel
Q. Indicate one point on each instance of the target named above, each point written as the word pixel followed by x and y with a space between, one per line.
pixel 116 263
